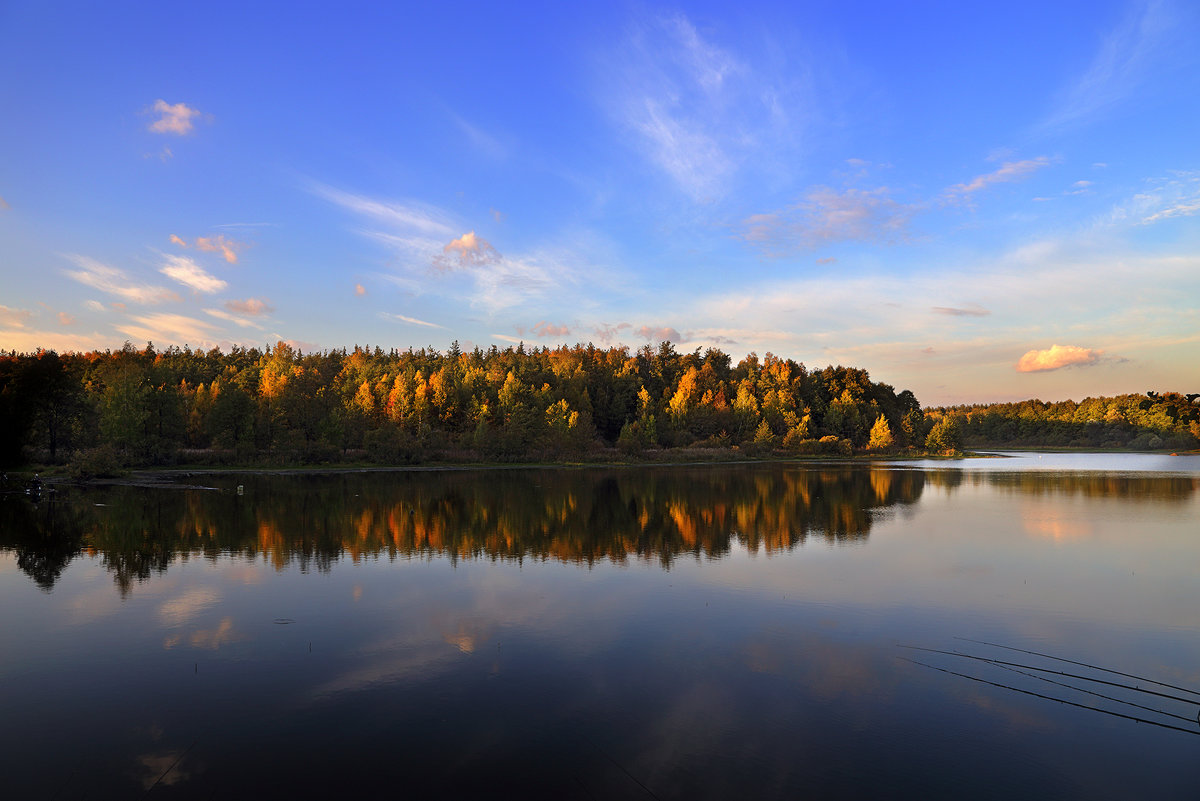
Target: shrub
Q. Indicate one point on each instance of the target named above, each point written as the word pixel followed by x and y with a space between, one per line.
pixel 99 462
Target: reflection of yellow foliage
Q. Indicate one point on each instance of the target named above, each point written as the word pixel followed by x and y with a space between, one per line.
pixel 881 482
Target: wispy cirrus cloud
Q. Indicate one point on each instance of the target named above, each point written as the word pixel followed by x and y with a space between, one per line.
pixel 419 218
pixel 696 110
pixel 827 216
pixel 164 327
pixel 970 310
pixel 115 282
pixel 1008 172
pixel 1147 38
pixel 191 275
pixel 236 319
pixel 433 256
pixel 14 318
pixel 1176 195
pixel 173 118
pixel 410 320
pixel 1057 357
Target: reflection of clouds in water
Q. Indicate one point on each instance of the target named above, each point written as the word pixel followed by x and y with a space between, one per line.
pixel 392 662
pixel 468 635
pixel 162 769
pixel 471 619
pixel 209 639
pixel 1047 521
pixel 187 605
pixel 827 669
pixel 1014 717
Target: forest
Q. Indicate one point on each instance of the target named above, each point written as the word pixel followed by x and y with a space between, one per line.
pixel 99 412
pixel 281 406
pixel 1152 421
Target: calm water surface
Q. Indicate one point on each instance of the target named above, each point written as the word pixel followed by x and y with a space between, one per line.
pixel 745 631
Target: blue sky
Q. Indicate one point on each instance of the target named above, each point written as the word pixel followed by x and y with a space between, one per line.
pixel 974 201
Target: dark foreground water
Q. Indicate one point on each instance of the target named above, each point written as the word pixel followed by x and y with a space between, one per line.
pixel 684 632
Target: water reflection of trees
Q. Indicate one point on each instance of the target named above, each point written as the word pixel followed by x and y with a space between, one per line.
pixel 1125 486
pixel 571 516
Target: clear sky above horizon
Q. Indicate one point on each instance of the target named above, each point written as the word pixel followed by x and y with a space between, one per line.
pixel 974 201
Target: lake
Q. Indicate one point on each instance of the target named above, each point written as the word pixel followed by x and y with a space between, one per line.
pixel 728 631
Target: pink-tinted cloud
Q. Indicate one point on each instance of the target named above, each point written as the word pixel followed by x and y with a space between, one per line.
pixel 607 333
pixel 220 244
pixel 544 329
pixel 659 334
pixel 14 318
pixel 65 319
pixel 360 290
pixel 1008 172
pixel 251 307
pixel 1057 357
pixel 467 251
pixel 173 119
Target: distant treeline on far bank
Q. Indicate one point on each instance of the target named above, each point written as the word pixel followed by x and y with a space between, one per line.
pixel 99 411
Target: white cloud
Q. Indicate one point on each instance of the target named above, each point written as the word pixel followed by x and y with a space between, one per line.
pixel 1177 195
pixel 187 605
pixel 425 220
pixel 827 216
pixel 190 274
pixel 173 119
pixel 410 320
pixel 221 314
pixel 113 281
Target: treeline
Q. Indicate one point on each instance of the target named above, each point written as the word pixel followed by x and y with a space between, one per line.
pixel 280 405
pixel 1139 422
